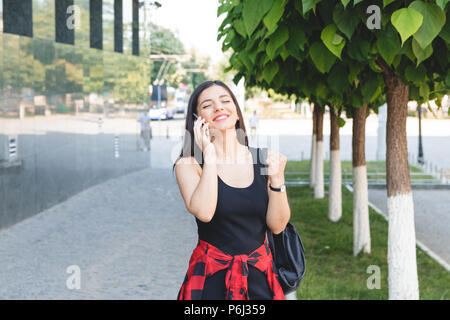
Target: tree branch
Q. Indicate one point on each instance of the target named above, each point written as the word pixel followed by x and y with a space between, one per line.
pixel 384 66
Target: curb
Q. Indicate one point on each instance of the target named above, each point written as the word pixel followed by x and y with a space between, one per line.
pixel 417 186
pixel 423 247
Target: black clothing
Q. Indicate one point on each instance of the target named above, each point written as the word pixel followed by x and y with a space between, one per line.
pixel 239 227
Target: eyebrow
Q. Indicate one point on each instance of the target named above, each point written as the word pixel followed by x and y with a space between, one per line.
pixel 221 96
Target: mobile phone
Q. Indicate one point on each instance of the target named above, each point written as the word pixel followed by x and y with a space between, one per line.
pixel 207 130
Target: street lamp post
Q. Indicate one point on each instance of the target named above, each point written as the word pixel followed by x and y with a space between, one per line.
pixel 147 4
pixel 420 155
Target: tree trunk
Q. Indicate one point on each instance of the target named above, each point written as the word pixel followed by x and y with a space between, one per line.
pixel 402 264
pixel 335 193
pixel 318 181
pixel 312 162
pixel 381 138
pixel 361 229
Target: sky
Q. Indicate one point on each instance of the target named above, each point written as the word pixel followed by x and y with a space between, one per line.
pixel 194 21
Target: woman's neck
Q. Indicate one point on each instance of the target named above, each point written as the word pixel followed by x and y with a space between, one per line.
pixel 228 148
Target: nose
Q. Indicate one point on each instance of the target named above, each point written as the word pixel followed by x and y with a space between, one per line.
pixel 218 106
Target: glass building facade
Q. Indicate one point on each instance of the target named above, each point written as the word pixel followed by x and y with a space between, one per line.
pixel 67 67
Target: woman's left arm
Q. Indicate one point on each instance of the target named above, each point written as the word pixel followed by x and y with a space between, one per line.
pixel 278 211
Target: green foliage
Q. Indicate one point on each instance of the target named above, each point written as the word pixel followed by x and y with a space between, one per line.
pixel 433 21
pixel 337 79
pixel 270 70
pixel 323 59
pixel 388 44
pixel 345 20
pixel 164 41
pixel 309 4
pixel 334 42
pixel 274 15
pixel 324 51
pixel 277 39
pixel 421 53
pixel 253 11
pixel 407 21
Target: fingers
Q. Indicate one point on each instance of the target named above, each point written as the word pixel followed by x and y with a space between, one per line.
pixel 205 130
pixel 275 156
pixel 203 125
pixel 201 131
pixel 276 162
pixel 196 129
pixel 197 126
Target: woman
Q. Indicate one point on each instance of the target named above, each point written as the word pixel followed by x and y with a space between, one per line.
pixel 221 181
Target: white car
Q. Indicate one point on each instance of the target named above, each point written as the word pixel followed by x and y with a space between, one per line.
pixel 161 113
pixel 180 105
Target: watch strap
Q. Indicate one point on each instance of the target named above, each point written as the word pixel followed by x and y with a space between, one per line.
pixel 281 189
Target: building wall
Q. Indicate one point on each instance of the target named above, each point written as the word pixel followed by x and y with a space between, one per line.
pixel 46 85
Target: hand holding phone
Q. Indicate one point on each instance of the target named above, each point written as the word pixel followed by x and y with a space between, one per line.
pixel 201 132
pixel 203 124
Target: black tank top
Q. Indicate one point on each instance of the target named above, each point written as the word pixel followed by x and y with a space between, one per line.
pixel 239 222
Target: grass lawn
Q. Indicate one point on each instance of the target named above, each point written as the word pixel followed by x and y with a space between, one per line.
pixel 332 272
pixel 372 167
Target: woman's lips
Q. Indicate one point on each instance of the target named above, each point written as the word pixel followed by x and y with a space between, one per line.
pixel 221 117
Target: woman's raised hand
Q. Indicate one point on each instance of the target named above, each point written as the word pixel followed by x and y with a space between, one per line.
pixel 276 163
pixel 202 136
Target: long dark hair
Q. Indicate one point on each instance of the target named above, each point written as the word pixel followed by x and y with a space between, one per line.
pixel 190 148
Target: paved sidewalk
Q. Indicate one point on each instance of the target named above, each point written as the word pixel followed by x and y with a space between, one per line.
pixel 431 218
pixel 130 236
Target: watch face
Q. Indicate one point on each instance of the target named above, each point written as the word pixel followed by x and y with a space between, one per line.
pixel 283 188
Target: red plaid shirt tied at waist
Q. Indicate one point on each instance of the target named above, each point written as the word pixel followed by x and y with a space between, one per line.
pixel 206 260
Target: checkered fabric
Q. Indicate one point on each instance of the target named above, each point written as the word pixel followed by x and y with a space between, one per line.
pixel 207 260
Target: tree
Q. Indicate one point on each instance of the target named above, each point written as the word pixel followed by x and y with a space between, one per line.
pixel 197 62
pixel 164 41
pixel 361 231
pixel 403 52
pixel 312 161
pixel 335 189
pixel 319 188
pixel 322 90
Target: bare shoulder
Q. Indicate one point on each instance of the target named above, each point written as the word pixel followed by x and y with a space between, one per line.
pixel 187 165
pixel 188 173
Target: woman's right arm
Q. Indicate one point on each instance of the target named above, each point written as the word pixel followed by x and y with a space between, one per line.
pixel 199 191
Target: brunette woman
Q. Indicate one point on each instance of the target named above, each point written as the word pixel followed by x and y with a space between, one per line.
pixel 235 198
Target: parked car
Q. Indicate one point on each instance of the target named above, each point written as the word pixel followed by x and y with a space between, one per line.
pixel 162 113
pixel 181 100
pixel 180 105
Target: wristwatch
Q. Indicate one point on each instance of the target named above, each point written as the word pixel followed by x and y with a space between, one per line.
pixel 280 189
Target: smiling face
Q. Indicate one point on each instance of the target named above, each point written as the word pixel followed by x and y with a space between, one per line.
pixel 217 107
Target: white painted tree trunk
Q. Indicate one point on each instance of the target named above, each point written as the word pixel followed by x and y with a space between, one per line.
pixel 312 163
pixel 402 265
pixel 318 183
pixel 402 276
pixel 335 194
pixel 291 296
pixel 361 229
